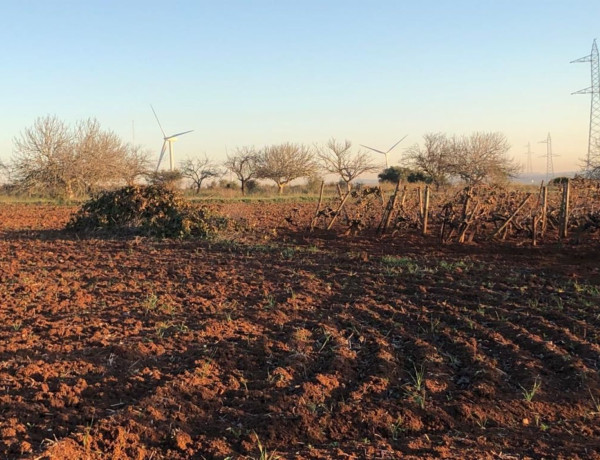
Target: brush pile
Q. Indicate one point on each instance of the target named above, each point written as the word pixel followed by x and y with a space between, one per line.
pixel 152 210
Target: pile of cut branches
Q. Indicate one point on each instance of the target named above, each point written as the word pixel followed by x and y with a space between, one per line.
pixel 152 210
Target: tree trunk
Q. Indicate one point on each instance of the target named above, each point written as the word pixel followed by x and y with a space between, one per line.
pixel 280 189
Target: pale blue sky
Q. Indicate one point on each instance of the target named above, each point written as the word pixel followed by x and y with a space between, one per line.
pixel 262 72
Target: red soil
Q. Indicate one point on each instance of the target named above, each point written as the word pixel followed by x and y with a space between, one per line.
pixel 305 345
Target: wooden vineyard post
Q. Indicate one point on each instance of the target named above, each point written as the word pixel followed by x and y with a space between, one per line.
pixel 403 197
pixel 544 208
pixel 446 211
pixel 467 223
pixel 389 210
pixel 534 225
pixel 339 209
pixel 420 202
pixel 343 198
pixel 512 216
pixel 313 222
pixel 464 225
pixel 565 209
pixel 425 210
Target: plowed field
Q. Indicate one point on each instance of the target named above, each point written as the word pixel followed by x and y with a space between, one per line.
pixel 291 345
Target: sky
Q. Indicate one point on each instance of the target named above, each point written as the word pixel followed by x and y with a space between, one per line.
pixel 255 73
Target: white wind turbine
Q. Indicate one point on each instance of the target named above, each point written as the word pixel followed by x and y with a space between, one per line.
pixel 167 140
pixel 384 153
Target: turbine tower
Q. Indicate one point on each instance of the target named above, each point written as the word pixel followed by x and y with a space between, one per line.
pixel 549 155
pixel 167 140
pixel 384 153
pixel 593 155
pixel 529 166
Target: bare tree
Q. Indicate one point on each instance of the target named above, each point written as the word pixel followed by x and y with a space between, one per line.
pixel 98 156
pixel 5 172
pixel 198 170
pixel 52 158
pixel 243 163
pixel 433 158
pixel 283 163
pixel 338 158
pixel 43 155
pixel 481 157
pixel 135 164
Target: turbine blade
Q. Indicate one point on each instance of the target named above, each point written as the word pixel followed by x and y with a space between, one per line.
pixel 162 152
pixel 392 147
pixel 371 148
pixel 178 134
pixel 158 121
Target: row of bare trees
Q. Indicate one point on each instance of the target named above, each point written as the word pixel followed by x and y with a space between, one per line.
pixel 55 159
pixel 473 159
pixel 286 162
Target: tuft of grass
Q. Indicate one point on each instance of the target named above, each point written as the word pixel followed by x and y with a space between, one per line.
pixel 396 428
pixel 529 394
pixel 150 304
pixel 589 289
pixel 270 302
pixel 418 377
pixel 595 403
pixel 262 451
pixel 288 253
pixel 326 338
pixel 162 328
pixel 404 264
pixel 416 390
pixel 447 266
pixel 87 435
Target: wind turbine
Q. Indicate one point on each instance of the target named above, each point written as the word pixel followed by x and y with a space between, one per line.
pixel 167 140
pixel 384 153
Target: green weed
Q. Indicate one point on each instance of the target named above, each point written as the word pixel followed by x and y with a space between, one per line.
pixel 162 328
pixel 150 304
pixel 396 428
pixel 262 451
pixel 529 394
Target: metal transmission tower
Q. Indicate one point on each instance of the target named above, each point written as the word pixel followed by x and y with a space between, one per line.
pixel 529 166
pixel 593 156
pixel 549 155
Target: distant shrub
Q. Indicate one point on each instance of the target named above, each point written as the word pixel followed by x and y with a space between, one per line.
pixel 313 184
pixel 153 210
pixel 167 179
pixel 252 186
pixel 559 180
pixel 228 184
pixel 395 173
pixel 418 176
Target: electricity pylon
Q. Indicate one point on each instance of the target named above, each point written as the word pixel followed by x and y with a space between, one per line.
pixel 593 155
pixel 529 165
pixel 549 155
